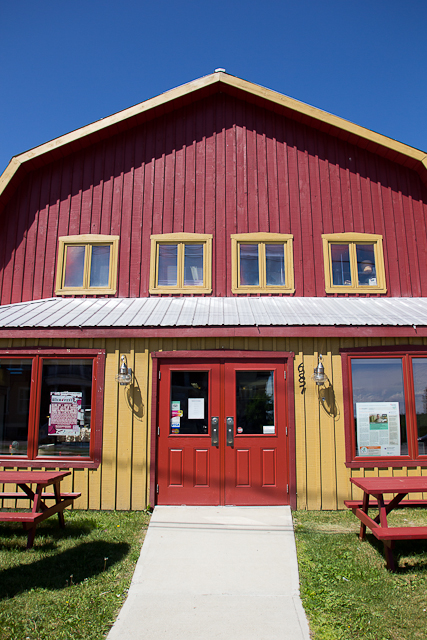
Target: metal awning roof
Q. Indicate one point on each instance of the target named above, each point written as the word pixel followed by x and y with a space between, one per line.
pixel 213 312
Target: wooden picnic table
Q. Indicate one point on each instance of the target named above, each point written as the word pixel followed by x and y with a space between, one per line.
pixel 377 487
pixel 39 511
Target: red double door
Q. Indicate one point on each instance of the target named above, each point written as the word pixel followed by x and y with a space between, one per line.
pixel 222 433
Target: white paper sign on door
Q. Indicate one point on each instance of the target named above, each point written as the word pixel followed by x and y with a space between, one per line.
pixel 196 408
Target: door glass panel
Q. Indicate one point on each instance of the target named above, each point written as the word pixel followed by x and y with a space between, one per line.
pixel 189 402
pixel 419 366
pixel 15 383
pixel 255 402
pixel 379 407
pixel 65 408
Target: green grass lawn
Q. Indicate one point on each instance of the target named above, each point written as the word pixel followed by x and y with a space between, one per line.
pixel 74 580
pixel 346 590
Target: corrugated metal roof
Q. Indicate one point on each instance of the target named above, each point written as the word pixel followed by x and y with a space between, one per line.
pixel 197 312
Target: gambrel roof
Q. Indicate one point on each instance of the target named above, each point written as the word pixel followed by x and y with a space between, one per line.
pixel 216 82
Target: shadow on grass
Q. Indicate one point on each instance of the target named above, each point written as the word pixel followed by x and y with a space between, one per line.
pixel 409 555
pixel 48 532
pixel 82 561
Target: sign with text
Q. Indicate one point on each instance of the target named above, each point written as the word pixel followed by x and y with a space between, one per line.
pixel 65 413
pixel 378 428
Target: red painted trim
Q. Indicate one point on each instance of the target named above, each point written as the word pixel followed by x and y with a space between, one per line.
pixel 400 349
pixel 221 332
pixel 353 462
pixel 52 351
pixel 220 354
pixel 97 356
pixel 407 463
pixel 40 463
pixel 289 368
pixel 346 383
pixel 98 400
pixel 153 443
pixel 224 354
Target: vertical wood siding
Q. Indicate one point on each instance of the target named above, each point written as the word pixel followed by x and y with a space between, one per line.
pixel 218 166
pixel 122 480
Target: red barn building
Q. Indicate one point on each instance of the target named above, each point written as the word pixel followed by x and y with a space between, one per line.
pixel 171 276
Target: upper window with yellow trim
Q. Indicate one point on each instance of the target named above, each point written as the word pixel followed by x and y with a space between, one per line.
pixel 87 264
pixel 262 262
pixel 181 263
pixel 354 262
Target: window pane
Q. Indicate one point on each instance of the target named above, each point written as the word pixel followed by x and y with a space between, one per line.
pixel 168 256
pixel 255 402
pixel 189 402
pixel 366 272
pixel 15 384
pixel 275 264
pixel 249 271
pixel 341 272
pixel 100 266
pixel 419 367
pixel 193 265
pixel 74 266
pixel 65 408
pixel 379 407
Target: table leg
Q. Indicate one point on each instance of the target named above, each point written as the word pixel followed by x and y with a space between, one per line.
pixel 365 507
pixel 388 544
pixel 391 505
pixel 382 512
pixel 388 553
pixel 58 500
pixel 30 537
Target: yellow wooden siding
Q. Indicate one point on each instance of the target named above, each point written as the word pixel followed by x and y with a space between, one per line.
pixel 300 433
pixel 109 433
pixel 122 479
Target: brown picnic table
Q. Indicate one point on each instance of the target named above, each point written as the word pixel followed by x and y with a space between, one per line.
pixel 377 488
pixel 40 510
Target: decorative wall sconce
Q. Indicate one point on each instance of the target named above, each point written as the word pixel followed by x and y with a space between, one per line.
pixel 319 375
pixel 125 374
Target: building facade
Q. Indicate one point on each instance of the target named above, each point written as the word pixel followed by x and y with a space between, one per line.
pixel 172 275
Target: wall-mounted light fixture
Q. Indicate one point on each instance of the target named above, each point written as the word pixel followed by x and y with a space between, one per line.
pixel 319 375
pixel 125 375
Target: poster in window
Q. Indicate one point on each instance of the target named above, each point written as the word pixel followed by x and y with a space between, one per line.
pixel 378 428
pixel 65 413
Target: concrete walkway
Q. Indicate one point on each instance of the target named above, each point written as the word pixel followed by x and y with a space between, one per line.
pixel 209 573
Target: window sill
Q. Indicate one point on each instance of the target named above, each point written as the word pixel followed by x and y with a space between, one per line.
pixel 363 290
pixel 267 290
pixel 48 463
pixel 380 463
pixel 178 290
pixel 93 291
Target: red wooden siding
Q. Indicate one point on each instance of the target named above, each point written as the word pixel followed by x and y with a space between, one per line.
pixel 217 166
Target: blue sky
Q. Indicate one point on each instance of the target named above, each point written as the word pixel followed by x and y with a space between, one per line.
pixel 68 63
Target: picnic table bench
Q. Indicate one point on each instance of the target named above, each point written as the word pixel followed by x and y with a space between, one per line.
pixel 377 487
pixel 40 510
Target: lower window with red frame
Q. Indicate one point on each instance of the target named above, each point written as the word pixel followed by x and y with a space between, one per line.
pixel 386 408
pixel 51 407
